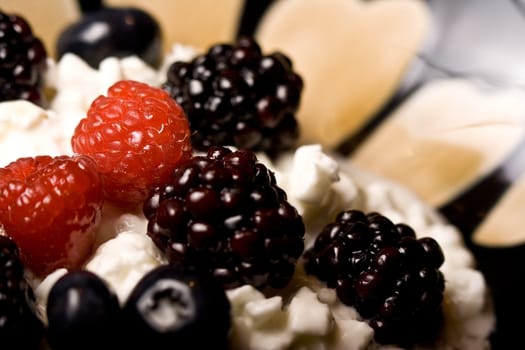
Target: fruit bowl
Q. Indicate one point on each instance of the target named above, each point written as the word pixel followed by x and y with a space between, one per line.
pixel 416 92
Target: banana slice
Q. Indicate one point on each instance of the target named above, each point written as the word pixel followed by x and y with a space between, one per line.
pixel 446 136
pixel 504 226
pixel 350 53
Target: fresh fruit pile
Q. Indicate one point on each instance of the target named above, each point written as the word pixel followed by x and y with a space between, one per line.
pixel 130 142
pixel 22 61
pixel 219 217
pixel 234 95
pixel 51 207
pixel 390 277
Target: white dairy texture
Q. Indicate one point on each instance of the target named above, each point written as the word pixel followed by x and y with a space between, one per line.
pixel 314 318
pixel 306 315
pixel 28 130
pixel 332 325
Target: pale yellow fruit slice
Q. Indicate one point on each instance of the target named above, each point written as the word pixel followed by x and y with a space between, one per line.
pixel 444 137
pixel 505 225
pixel 350 53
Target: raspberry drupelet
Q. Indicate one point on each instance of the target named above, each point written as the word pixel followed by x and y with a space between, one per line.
pixel 137 136
pixel 51 207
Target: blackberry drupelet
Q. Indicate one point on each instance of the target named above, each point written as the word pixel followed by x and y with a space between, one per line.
pixel 391 277
pixel 225 213
pixel 20 327
pixel 22 61
pixel 237 96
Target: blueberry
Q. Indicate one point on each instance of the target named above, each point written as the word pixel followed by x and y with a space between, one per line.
pixel 183 307
pixel 83 313
pixel 112 31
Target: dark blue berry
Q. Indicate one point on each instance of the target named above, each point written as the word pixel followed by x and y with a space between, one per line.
pixel 83 313
pixel 179 306
pixel 112 31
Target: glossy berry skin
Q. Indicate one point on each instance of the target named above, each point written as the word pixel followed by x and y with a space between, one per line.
pixel 113 32
pixel 179 306
pixel 389 275
pixel 83 313
pixel 137 136
pixel 225 213
pixel 20 326
pixel 234 95
pixel 22 61
pixel 51 207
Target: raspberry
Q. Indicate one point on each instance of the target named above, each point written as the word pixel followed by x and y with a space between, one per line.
pixel 51 208
pixel 22 61
pixel 137 135
pixel 225 213
pixel 234 95
pixel 20 327
pixel 391 277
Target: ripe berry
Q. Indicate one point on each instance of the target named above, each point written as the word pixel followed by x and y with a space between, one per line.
pixel 224 212
pixel 235 95
pixel 20 327
pixel 82 313
pixel 137 136
pixel 51 208
pixel 132 31
pixel 22 61
pixel 179 306
pixel 391 277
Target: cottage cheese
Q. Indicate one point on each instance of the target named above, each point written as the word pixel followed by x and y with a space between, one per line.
pixel 306 315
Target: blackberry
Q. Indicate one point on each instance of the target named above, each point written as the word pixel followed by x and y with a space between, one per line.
pixel 22 61
pixel 391 277
pixel 235 95
pixel 225 213
pixel 20 327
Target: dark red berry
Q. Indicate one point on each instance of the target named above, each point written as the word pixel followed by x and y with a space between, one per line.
pixel 22 61
pixel 225 213
pixel 235 95
pixel 390 276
